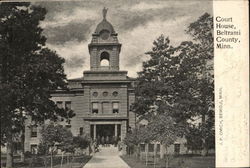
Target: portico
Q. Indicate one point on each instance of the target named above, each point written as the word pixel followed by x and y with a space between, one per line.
pixel 110 129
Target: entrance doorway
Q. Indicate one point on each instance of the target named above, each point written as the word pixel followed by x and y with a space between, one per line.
pixel 105 130
pixel 106 133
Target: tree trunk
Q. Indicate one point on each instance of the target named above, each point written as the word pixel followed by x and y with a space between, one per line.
pixel 45 161
pixel 68 159
pixel 72 160
pixel 22 157
pixel 204 147
pixel 9 161
pixel 62 160
pixel 51 159
pixel 167 161
pixel 146 145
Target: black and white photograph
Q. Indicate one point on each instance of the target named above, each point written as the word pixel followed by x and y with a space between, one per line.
pixel 107 84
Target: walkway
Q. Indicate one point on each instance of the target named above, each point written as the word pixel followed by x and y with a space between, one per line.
pixel 107 157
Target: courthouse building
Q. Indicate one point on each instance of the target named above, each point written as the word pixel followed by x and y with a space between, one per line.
pixel 102 98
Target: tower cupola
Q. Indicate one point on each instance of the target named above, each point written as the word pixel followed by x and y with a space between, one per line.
pixel 104 48
pixel 104 25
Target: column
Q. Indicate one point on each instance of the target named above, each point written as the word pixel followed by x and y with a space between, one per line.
pixel 115 130
pixel 94 131
pixel 123 129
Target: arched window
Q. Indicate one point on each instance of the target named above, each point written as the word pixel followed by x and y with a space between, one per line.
pixel 104 59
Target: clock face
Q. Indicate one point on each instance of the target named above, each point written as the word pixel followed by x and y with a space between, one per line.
pixel 104 34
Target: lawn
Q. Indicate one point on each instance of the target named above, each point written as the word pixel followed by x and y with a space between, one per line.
pixel 175 162
pixel 38 162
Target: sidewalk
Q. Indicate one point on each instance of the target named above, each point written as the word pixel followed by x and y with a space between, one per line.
pixel 107 157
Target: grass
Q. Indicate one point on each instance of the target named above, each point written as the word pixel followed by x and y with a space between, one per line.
pixel 38 162
pixel 175 162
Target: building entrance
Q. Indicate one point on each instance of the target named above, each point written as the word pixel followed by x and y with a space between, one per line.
pixel 106 133
pixel 105 130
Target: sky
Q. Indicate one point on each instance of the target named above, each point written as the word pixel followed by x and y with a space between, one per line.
pixel 69 25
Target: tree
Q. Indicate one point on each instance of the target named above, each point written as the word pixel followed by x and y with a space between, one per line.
pixel 162 79
pixel 182 78
pixel 202 33
pixel 164 129
pixel 55 137
pixel 28 71
pixel 194 140
pixel 81 142
pixel 134 138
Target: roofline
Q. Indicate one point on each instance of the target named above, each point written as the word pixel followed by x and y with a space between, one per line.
pixel 77 80
pixel 97 34
pixel 103 72
pixel 70 90
pixel 104 44
pixel 105 118
pixel 105 81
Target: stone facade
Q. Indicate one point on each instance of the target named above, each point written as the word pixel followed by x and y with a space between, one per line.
pixel 101 99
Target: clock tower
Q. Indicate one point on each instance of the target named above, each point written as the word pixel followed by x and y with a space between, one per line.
pixel 104 48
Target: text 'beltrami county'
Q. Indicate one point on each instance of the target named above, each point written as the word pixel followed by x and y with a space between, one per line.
pixel 227 33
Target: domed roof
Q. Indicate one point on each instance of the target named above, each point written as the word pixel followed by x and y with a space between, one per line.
pixel 104 25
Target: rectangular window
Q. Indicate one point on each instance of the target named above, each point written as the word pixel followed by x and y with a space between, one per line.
pixel 158 148
pixel 115 107
pixel 106 108
pixel 177 148
pixel 150 147
pixel 94 107
pixel 33 131
pixel 68 105
pixel 59 104
pixel 142 147
pixel 81 131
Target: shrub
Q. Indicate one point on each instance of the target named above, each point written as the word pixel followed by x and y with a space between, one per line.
pixel 28 154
